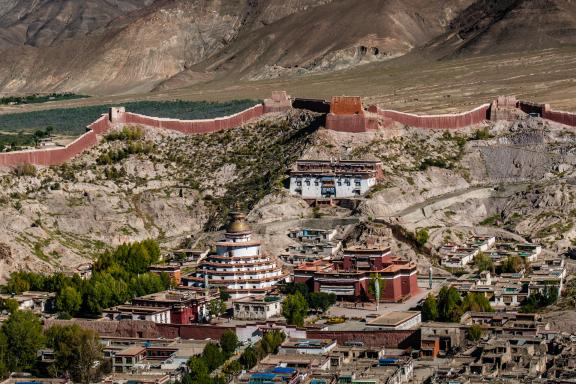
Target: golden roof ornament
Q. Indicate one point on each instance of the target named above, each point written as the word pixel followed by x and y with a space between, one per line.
pixel 237 223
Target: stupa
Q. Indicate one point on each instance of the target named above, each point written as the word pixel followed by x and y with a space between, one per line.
pixel 238 267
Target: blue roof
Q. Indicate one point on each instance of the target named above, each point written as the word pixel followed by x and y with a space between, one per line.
pixel 263 375
pixel 283 370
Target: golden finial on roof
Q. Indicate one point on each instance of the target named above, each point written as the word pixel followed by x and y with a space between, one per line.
pixel 237 223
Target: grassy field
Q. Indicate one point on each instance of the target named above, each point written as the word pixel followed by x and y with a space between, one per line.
pixel 73 121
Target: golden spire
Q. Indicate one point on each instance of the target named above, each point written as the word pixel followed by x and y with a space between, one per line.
pixel 237 223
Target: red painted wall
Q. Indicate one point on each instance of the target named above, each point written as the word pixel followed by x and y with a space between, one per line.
pixel 196 126
pixel 389 339
pixel 449 121
pixel 56 156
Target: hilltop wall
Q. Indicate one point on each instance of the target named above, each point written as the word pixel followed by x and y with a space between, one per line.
pixel 118 116
pixel 57 155
pixel 445 121
pixel 193 126
pixel 546 112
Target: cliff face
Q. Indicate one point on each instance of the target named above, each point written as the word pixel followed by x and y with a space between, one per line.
pixel 105 47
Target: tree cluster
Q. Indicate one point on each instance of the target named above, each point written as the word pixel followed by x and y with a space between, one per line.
pixel 539 300
pixel 132 148
pixel 127 133
pixel 317 301
pixel 118 276
pixel 299 301
pixel 512 264
pixel 483 262
pixel 76 350
pixel 449 306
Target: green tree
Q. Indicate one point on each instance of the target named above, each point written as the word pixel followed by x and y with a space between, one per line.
pixel 474 333
pixel 229 342
pixel 483 262
pixel 68 300
pixel 295 309
pixel 217 307
pixel 10 305
pixel 75 351
pixel 422 236
pixel 248 358
pixel 476 302
pixel 449 304
pixel 321 301
pixel 232 368
pixel 213 356
pixel 512 264
pixel 199 372
pixel 430 308
pixel 24 338
pixel 271 340
pixel 17 284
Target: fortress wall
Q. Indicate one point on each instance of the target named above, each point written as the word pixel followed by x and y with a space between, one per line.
pixel 50 156
pixel 351 123
pixel 101 125
pixel 449 121
pixel 59 155
pixel 544 110
pixel 196 126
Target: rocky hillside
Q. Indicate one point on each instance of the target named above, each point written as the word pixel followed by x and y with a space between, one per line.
pixel 146 184
pixel 133 46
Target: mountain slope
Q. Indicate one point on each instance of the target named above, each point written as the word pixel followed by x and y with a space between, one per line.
pixel 104 47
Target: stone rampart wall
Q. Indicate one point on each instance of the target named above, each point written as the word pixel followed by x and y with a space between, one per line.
pixel 59 155
pixel 445 121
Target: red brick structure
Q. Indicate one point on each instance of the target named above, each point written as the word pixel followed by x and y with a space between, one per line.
pixel 351 276
pixel 347 114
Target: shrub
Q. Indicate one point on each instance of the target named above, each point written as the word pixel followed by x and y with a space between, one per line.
pixel 25 170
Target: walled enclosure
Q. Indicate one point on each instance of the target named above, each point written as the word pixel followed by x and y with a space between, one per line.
pixel 347 114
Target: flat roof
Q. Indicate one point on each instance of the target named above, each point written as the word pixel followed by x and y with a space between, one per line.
pixel 137 309
pixel 132 350
pixel 393 318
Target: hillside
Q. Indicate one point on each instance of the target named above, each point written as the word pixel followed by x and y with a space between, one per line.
pixel 160 184
pixel 134 47
pixel 511 179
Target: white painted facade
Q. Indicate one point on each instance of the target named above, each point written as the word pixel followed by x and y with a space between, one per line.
pixel 318 187
pixel 238 265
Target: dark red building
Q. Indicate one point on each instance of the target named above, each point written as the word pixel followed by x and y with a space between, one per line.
pixel 352 276
pixel 186 306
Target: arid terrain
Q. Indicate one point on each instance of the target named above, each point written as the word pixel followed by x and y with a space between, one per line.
pixel 409 55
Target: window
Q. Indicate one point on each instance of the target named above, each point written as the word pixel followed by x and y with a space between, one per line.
pixel 347 182
pixel 357 183
pixel 316 182
pixel 299 183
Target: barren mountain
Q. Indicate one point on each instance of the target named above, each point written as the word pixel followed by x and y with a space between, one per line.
pixel 104 46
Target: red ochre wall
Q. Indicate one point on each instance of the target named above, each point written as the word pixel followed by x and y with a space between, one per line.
pixel 401 339
pixel 448 121
pixel 59 155
pixel 544 110
pixel 196 126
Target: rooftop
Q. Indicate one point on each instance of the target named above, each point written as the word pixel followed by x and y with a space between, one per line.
pixel 393 318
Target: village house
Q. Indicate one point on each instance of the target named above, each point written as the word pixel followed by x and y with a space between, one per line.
pixel 257 308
